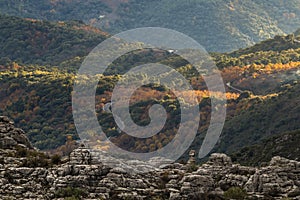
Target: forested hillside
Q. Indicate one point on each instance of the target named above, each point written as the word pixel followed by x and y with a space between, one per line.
pixel 55 10
pixel 285 145
pixel 219 25
pixel 277 44
pixel 263 118
pixel 42 42
pixel 261 82
pixel 39 99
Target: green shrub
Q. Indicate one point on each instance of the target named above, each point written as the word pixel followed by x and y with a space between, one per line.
pixel 56 159
pixel 21 152
pixel 192 168
pixel 70 193
pixel 235 193
pixel 33 162
pixel 33 158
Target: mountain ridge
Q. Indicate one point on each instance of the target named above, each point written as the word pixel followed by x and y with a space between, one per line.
pixel 39 97
pixel 43 42
pixel 219 25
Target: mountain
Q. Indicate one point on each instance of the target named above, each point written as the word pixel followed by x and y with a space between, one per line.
pixel 280 49
pixel 262 119
pixel 39 99
pixel 277 44
pixel 64 10
pixel 219 25
pixel 42 42
pixel 285 145
pixel 262 88
pixel 267 126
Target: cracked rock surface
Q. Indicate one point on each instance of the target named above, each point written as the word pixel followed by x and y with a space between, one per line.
pixel 89 178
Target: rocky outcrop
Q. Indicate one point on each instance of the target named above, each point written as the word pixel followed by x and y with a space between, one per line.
pixel 85 177
pixel 10 137
pixel 80 156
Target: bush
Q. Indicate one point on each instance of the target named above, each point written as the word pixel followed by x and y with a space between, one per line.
pixel 70 193
pixel 56 159
pixel 33 162
pixel 21 152
pixel 33 158
pixel 192 168
pixel 235 193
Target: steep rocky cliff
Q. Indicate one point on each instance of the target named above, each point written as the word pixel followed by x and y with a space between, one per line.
pixel 85 177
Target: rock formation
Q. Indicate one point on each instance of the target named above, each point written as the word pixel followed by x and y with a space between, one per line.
pixel 10 136
pixel 83 178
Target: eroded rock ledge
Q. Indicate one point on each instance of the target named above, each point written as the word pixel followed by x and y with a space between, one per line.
pixel 219 178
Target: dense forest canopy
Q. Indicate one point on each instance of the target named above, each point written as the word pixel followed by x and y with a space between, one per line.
pixel 39 61
pixel 219 25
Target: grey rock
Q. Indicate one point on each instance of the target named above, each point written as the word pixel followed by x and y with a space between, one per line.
pixel 99 176
pixel 217 159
